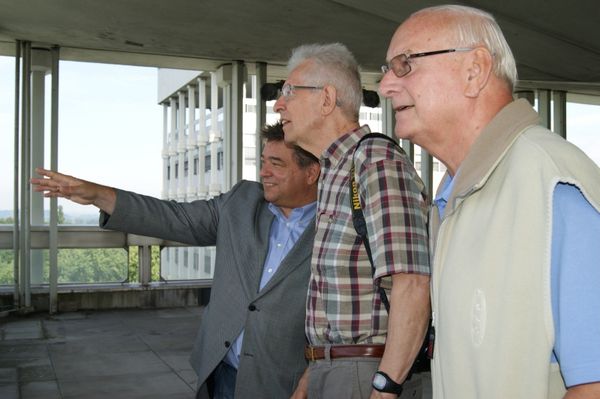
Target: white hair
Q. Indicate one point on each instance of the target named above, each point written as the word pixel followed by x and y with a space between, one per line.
pixel 335 65
pixel 474 27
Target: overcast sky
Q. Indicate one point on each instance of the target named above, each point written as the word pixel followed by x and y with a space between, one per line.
pixel 110 128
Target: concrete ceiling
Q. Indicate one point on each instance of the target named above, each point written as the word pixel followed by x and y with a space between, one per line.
pixel 555 41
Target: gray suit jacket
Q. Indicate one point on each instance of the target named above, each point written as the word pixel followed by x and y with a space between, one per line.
pixel 238 223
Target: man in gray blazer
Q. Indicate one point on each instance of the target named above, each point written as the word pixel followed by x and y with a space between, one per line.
pixel 251 339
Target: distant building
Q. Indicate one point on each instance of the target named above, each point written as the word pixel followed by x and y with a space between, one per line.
pixel 195 143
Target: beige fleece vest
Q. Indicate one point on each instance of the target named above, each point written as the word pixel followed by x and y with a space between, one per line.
pixel 491 269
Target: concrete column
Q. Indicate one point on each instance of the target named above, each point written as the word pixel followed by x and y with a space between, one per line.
pixel 559 113
pixel 191 144
pixel 544 108
pixel 202 188
pixel 215 135
pixel 237 123
pixel 427 170
pixel 165 152
pixel 173 149
pixel 261 112
pixel 181 146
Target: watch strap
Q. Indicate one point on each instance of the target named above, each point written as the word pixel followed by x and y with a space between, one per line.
pixel 391 386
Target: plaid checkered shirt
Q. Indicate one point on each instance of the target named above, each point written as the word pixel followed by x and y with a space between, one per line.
pixel 343 305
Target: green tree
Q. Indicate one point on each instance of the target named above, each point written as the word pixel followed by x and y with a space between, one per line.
pixel 6 267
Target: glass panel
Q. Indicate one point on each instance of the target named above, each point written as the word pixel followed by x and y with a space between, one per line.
pixel 7 129
pixel 6 267
pixel 187 263
pixel 582 128
pixel 110 130
pixel 106 265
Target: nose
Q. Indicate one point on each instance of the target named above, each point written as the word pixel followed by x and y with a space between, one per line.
pixel 386 84
pixel 279 104
pixel 264 170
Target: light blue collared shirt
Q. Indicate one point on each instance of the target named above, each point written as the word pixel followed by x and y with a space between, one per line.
pixel 575 274
pixel 283 235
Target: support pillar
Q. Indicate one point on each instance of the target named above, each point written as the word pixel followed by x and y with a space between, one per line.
pixel 237 122
pixel 191 144
pixel 165 152
pixel 559 113
pixel 202 189
pixel 181 147
pixel 261 113
pixel 215 135
pixel 544 108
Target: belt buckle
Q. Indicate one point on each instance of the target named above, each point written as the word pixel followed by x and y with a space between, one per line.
pixel 311 354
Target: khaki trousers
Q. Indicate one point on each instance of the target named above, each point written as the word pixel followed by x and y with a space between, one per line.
pixel 350 378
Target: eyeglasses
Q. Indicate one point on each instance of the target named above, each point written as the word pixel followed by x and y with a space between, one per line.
pixel 287 90
pixel 400 64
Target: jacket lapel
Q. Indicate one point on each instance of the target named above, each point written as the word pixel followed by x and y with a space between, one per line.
pixel 294 259
pixel 253 266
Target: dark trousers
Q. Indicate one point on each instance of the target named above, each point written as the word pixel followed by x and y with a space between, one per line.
pixel 221 383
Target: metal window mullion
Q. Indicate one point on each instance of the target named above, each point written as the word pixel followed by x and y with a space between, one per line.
pixel 25 231
pixel 16 196
pixel 53 238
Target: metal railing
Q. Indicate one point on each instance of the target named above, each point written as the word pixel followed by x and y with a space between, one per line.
pixel 91 237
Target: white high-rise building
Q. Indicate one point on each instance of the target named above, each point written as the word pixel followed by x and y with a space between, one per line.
pixel 196 139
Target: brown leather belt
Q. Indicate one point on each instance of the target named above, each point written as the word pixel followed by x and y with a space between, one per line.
pixel 312 353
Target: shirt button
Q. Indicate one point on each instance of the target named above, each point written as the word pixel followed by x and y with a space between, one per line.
pixel 278 245
pixel 270 270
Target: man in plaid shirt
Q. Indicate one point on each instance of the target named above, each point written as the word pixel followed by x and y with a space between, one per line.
pixel 356 350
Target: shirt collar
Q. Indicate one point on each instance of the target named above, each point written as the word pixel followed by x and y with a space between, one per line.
pixel 339 148
pixel 443 194
pixel 303 213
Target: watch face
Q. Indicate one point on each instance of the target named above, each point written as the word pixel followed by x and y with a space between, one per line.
pixel 379 381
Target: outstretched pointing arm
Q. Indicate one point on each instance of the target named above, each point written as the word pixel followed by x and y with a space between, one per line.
pixel 54 184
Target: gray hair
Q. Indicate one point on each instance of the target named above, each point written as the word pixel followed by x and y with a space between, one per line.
pixel 474 27
pixel 335 65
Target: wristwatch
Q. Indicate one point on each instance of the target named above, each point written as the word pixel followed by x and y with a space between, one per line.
pixel 383 383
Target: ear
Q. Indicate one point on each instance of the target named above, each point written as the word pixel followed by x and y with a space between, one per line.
pixel 312 173
pixel 329 99
pixel 478 65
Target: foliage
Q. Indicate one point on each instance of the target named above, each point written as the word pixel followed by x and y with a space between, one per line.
pixel 88 265
pixel 85 265
pixel 60 217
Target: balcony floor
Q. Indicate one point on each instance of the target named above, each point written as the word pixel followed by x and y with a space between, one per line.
pixel 99 354
pixel 116 354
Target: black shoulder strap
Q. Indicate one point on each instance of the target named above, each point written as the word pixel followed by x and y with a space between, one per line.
pixel 421 363
pixel 358 218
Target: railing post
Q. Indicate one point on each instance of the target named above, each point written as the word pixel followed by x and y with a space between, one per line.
pixel 145 264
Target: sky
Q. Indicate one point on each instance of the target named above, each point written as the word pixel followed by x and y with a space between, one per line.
pixel 110 128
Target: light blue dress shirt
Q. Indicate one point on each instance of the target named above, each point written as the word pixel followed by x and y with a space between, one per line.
pixel 575 282
pixel 283 235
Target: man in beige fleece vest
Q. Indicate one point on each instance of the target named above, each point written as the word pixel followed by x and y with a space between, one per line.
pixel 516 223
